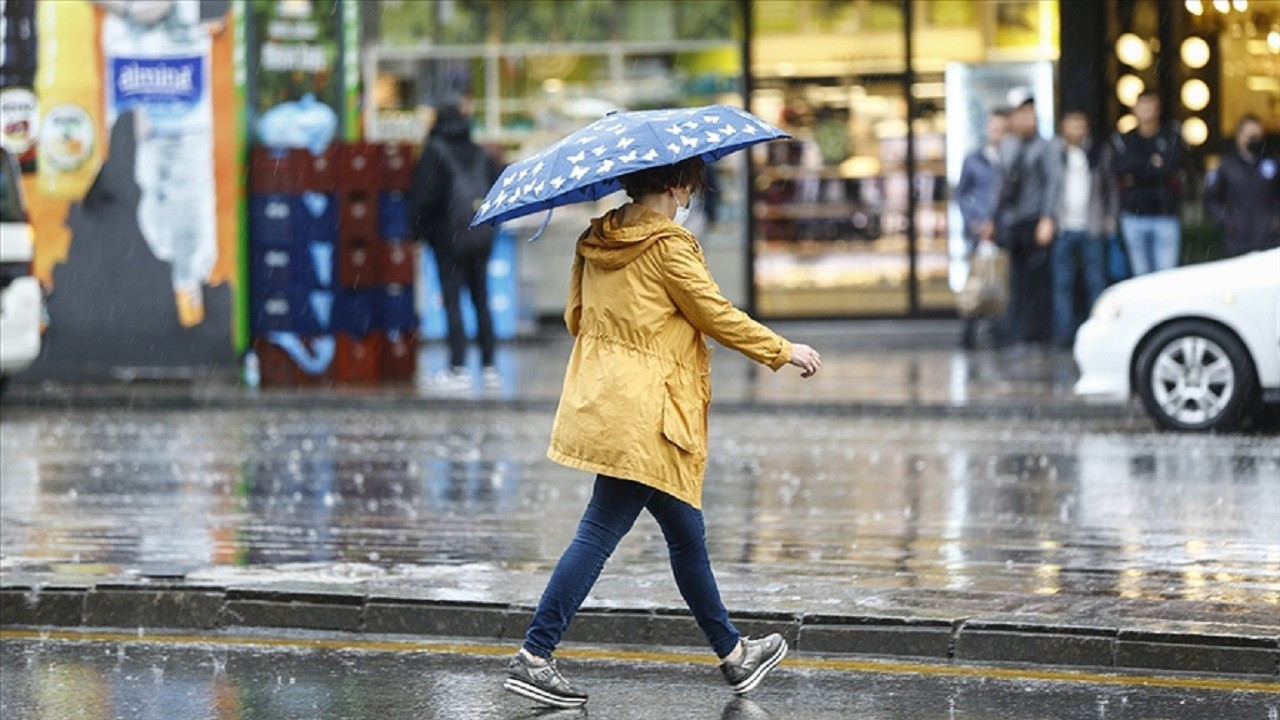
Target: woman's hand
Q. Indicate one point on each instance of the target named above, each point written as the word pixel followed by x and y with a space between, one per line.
pixel 805 358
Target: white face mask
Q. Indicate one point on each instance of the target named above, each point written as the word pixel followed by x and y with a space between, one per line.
pixel 682 212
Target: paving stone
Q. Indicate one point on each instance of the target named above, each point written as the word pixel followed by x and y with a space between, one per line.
pixel 675 629
pixel 60 607
pixel 626 628
pixel 433 620
pixel 166 608
pixel 1034 646
pixel 1197 658
pixel 871 639
pixel 292 614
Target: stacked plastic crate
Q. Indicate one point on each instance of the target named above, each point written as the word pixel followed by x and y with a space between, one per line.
pixel 331 265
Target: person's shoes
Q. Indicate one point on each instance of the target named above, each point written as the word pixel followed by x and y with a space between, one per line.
pixel 492 378
pixel 541 683
pixel 758 658
pixel 454 380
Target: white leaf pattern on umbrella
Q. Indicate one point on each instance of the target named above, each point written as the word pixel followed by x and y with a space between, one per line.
pixel 652 154
pixel 625 143
pixel 598 150
pixel 557 181
pixel 575 159
pixel 673 148
pixel 578 172
pixel 605 167
pixel 629 157
pixel 674 129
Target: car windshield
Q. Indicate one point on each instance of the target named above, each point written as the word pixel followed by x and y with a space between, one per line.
pixel 10 194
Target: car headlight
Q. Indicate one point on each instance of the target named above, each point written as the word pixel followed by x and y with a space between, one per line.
pixel 1107 307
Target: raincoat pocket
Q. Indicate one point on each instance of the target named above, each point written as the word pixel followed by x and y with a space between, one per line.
pixel 682 420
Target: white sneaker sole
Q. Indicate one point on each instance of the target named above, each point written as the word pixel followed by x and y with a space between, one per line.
pixel 756 677
pixel 537 694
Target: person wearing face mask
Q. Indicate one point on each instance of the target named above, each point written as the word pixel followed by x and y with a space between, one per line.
pixel 633 411
pixel 1243 194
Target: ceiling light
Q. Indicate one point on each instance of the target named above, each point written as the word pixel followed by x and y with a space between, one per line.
pixel 1128 88
pixel 1127 123
pixel 1195 131
pixel 1195 94
pixel 1195 52
pixel 1133 51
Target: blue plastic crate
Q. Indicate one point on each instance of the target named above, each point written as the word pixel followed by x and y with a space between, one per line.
pixel 393 215
pixel 274 221
pixel 293 310
pixel 396 311
pixel 354 311
pixel 318 217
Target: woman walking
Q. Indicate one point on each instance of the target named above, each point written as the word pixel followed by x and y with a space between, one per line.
pixel 634 411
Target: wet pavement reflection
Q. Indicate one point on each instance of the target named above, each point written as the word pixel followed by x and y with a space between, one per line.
pixel 105 681
pixel 805 514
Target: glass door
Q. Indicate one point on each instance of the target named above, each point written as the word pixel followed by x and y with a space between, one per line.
pixel 830 209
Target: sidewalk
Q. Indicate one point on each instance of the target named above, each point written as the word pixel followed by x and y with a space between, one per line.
pixel 878 526
pixel 881 368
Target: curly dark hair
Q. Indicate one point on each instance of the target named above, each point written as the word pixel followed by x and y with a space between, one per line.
pixel 689 173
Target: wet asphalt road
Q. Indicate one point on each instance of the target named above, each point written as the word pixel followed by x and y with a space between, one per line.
pixel 812 514
pixel 53 680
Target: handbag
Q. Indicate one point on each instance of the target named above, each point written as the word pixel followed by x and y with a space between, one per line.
pixel 986 290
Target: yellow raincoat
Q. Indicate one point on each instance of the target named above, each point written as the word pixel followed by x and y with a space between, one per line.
pixel 636 391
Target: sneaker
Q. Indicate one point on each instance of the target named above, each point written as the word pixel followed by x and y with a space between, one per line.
pixel 541 683
pixel 492 378
pixel 455 380
pixel 758 658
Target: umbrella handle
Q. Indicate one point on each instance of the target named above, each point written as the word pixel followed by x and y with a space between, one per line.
pixel 543 227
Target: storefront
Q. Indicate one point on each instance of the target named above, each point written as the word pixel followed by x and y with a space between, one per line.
pixel 820 226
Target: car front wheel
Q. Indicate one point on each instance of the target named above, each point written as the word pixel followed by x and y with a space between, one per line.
pixel 1194 375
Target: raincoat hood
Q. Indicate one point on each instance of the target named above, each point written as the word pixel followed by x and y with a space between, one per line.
pixel 451 124
pixel 621 235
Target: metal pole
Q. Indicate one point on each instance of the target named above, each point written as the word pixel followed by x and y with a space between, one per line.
pixel 908 80
pixel 744 7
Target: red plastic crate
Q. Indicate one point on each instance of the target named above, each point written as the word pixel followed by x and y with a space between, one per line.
pixel 358 214
pixel 359 262
pixel 320 172
pixel 399 357
pixel 359 359
pixel 276 172
pixel 397 263
pixel 395 166
pixel 358 164
pixel 277 369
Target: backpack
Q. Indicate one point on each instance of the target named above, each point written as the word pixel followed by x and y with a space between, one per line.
pixel 468 184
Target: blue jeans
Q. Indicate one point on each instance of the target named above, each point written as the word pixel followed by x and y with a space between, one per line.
pixel 1154 242
pixel 615 505
pixel 1092 266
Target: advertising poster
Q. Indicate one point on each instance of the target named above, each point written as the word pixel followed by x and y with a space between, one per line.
pixel 132 187
pixel 294 51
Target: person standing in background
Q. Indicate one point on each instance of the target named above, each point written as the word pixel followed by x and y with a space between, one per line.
pixel 449 183
pixel 977 194
pixel 1148 168
pixel 1086 217
pixel 1025 224
pixel 1243 194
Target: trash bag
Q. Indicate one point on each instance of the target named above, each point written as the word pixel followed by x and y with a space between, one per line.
pixel 986 291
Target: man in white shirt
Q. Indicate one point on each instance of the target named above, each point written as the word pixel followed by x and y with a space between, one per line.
pixel 1086 217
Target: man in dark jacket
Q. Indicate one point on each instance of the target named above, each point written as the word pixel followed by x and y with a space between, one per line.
pixel 1148 164
pixel 451 178
pixel 1026 225
pixel 1243 194
pixel 976 195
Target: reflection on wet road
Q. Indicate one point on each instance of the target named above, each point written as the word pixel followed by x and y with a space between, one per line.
pixel 813 509
pixel 104 681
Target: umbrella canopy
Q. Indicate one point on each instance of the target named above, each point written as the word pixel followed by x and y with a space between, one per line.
pixel 586 165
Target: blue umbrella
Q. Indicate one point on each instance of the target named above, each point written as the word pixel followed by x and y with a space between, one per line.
pixel 586 165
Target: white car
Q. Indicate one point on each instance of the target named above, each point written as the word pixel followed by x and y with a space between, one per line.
pixel 1200 345
pixel 21 297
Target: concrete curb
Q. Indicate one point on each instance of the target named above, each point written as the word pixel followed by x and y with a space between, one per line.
pixel 148 399
pixel 179 606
